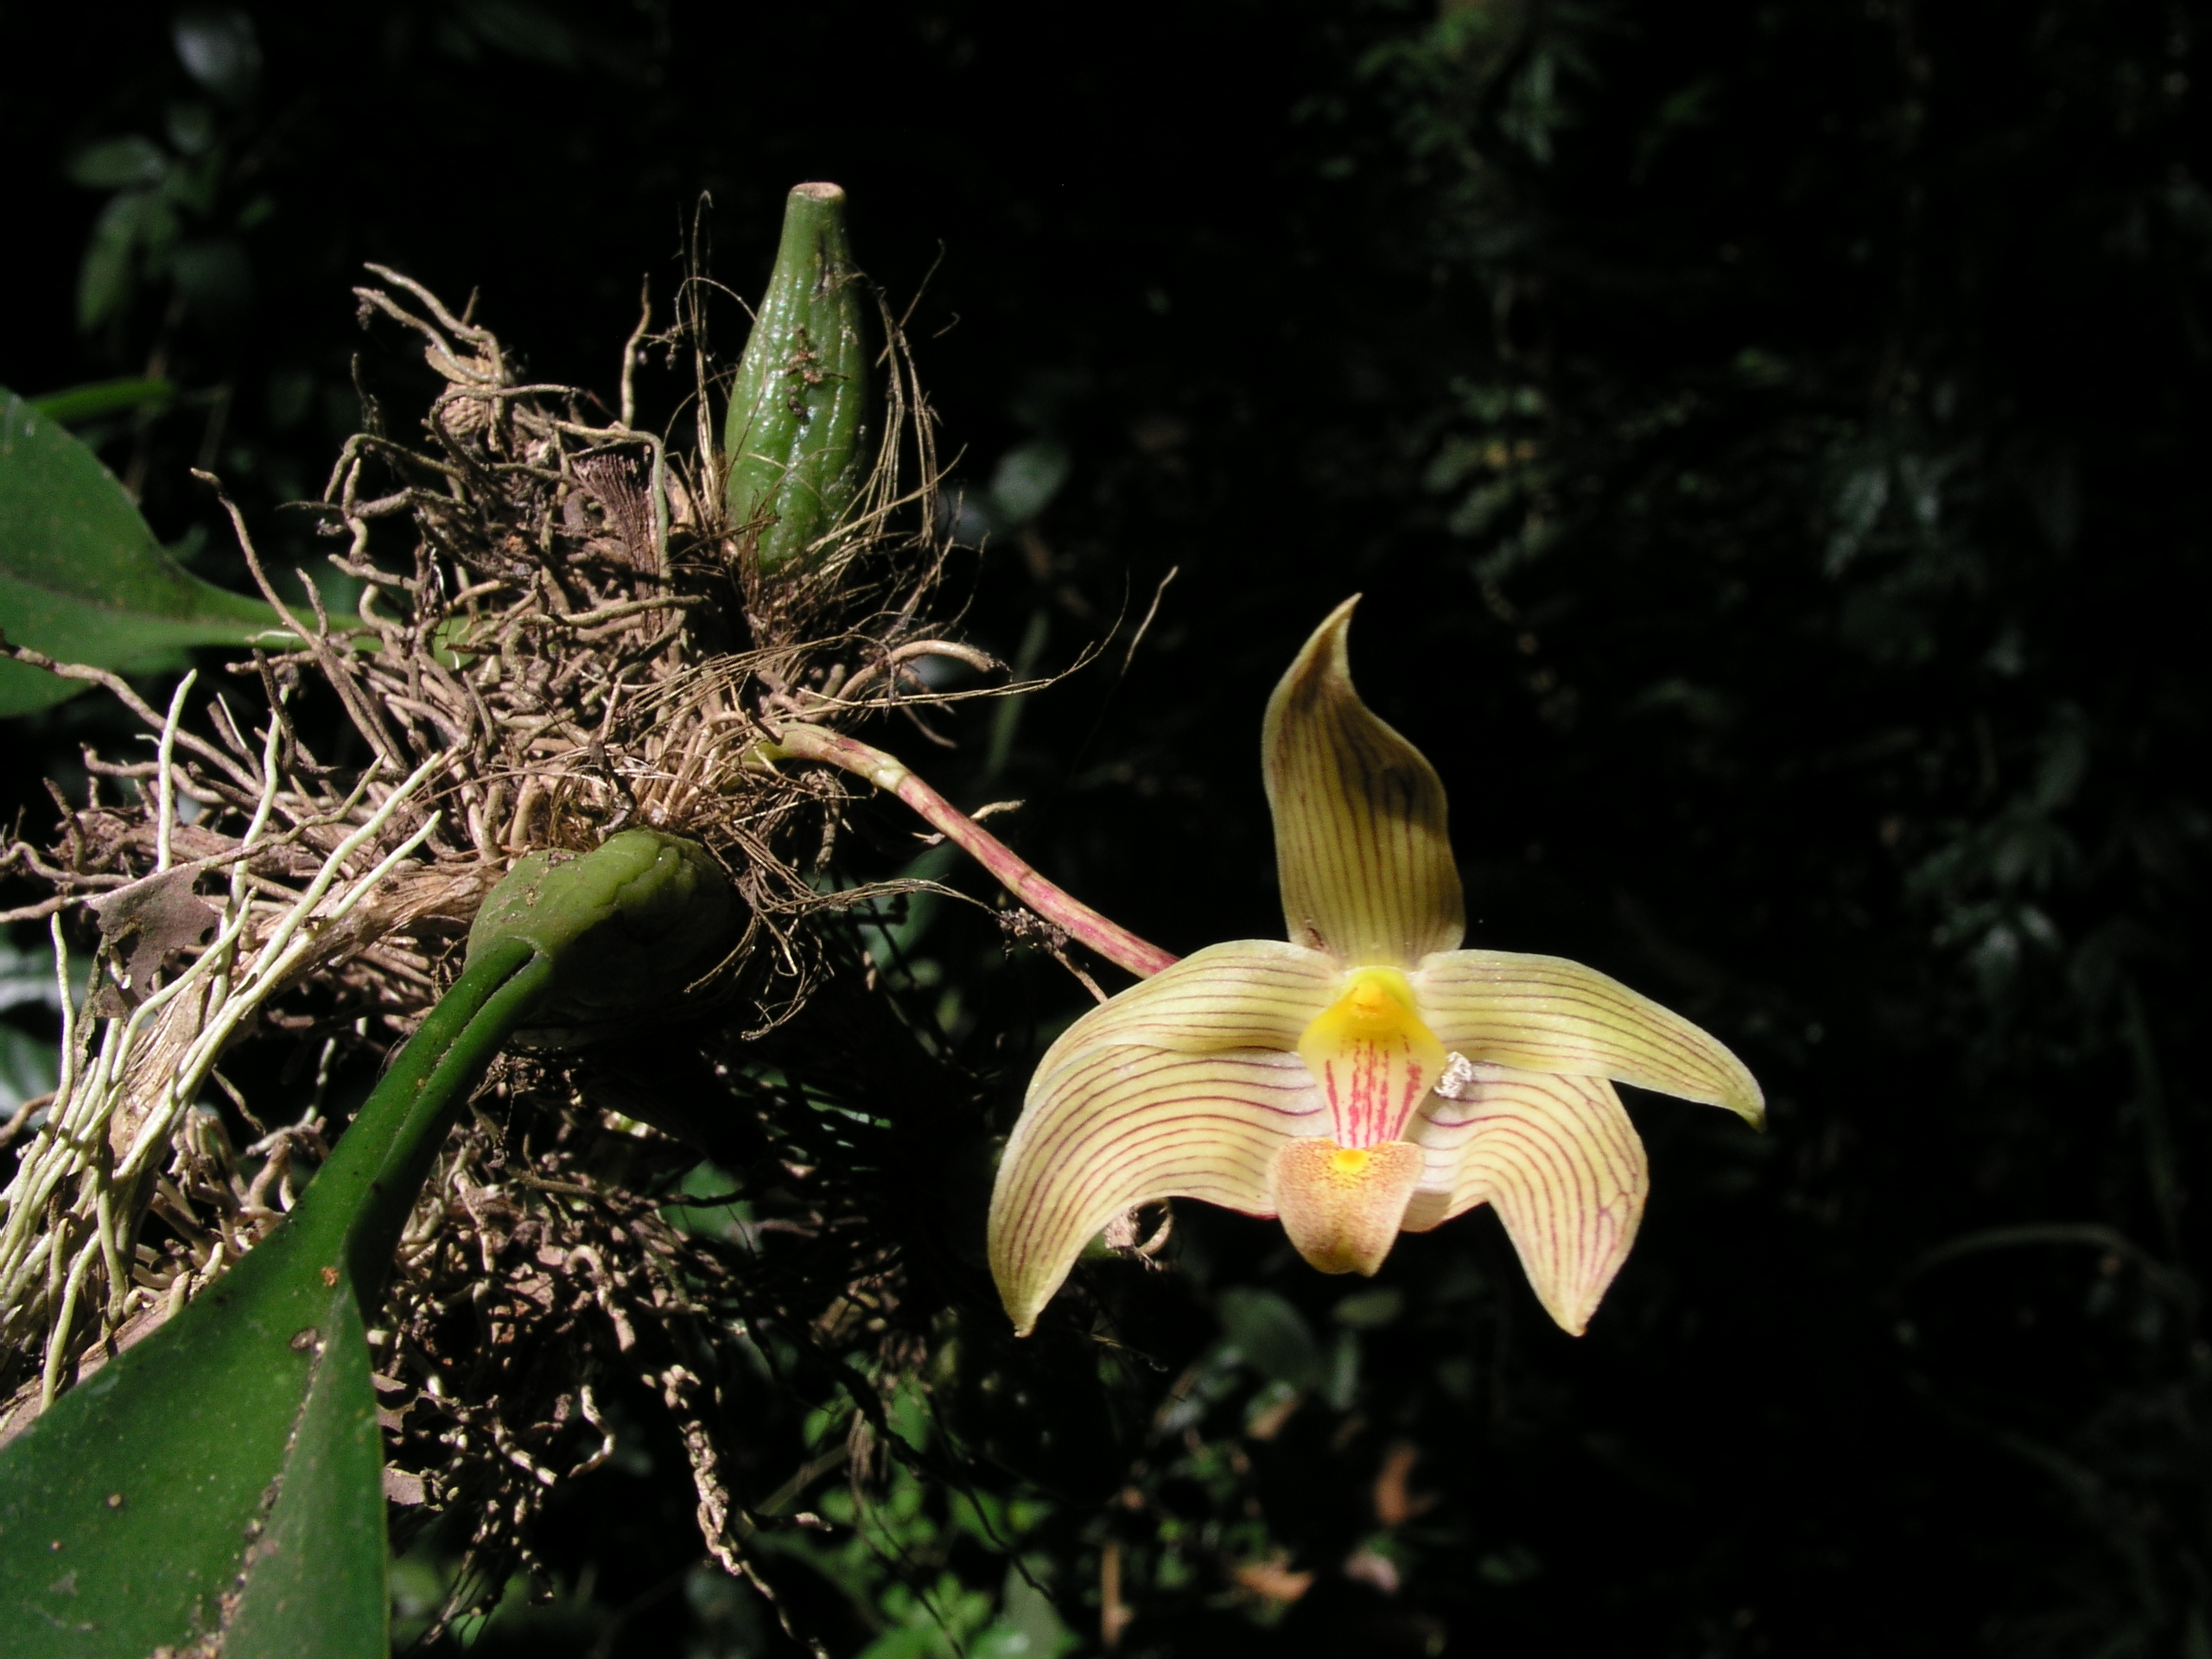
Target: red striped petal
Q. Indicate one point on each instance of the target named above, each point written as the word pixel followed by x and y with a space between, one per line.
pixel 1122 1126
pixel 1558 1157
pixel 1361 847
pixel 1546 1014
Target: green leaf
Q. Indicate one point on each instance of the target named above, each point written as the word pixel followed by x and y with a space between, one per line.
pixel 118 163
pixel 238 1442
pixel 1026 479
pixel 908 1641
pixel 125 1511
pixel 81 576
pixel 27 1068
pixel 221 1481
pixel 219 49
pixel 1028 1625
pixel 132 220
pixel 1272 1336
pixel 191 128
pixel 314 1580
pixel 86 403
pixel 654 906
pixel 27 976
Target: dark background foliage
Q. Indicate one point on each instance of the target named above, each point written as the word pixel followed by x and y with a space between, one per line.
pixel 1763 433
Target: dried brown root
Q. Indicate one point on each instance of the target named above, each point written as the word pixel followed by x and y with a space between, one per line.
pixel 556 635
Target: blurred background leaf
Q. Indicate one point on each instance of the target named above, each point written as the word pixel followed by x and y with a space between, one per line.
pixel 81 576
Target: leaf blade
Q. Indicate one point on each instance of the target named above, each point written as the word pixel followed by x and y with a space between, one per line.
pixel 314 1580
pixel 98 398
pixel 148 1484
pixel 82 577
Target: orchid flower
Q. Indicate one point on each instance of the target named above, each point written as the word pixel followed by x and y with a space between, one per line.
pixel 1368 1077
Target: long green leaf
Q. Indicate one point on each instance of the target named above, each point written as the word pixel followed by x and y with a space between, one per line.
pixel 128 1511
pixel 81 576
pixel 315 1581
pixel 142 1509
pixel 223 1477
pixel 98 398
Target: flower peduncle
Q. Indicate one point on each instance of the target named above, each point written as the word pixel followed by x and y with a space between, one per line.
pixel 1109 938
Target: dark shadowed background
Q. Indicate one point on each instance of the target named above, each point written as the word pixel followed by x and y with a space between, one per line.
pixel 1772 439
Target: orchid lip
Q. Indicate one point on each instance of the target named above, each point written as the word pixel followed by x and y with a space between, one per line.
pixel 1372 1056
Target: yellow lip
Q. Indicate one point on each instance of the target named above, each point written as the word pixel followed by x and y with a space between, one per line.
pixel 1373 1056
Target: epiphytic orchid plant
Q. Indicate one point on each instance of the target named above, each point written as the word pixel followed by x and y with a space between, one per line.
pixel 1367 1078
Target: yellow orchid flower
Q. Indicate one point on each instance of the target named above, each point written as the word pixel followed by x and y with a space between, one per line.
pixel 1368 1077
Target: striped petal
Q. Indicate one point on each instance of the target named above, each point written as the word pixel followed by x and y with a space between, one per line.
pixel 1545 1013
pixel 1560 1161
pixel 1360 842
pixel 1246 994
pixel 1120 1126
